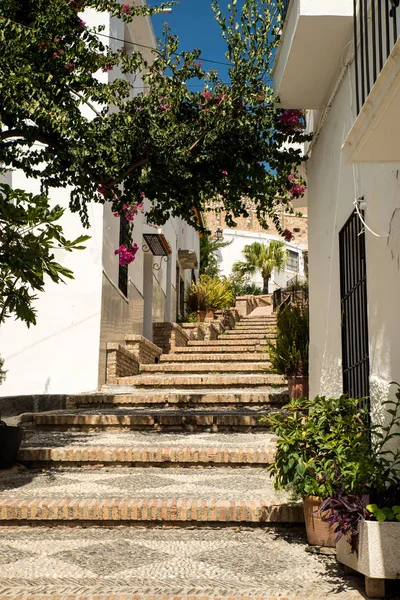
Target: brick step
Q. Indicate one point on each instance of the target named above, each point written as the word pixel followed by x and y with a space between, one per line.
pixel 257 396
pixel 266 319
pixel 253 329
pixel 209 367
pixel 243 335
pixel 223 348
pixel 219 342
pixel 152 419
pixel 144 496
pixel 45 449
pixel 195 381
pixel 193 357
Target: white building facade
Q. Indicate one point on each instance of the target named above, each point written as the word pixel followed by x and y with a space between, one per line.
pixel 227 256
pixel 66 351
pixel 340 61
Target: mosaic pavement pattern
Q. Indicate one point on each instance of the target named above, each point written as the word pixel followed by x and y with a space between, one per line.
pixel 224 562
pixel 252 484
pixel 143 439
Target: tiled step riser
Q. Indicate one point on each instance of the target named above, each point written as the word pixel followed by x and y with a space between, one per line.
pixel 212 381
pixel 221 342
pixel 246 336
pixel 259 367
pixel 141 512
pixel 253 357
pixel 232 350
pixel 212 423
pixel 260 398
pixel 131 457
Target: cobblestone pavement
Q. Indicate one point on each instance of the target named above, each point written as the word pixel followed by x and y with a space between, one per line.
pixel 168 562
pixel 251 484
pixel 143 439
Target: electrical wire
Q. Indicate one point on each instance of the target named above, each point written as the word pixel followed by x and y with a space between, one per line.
pixel 357 207
pixel 201 59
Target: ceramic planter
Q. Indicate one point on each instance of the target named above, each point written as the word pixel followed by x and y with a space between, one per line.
pixel 201 316
pixel 298 386
pixel 318 531
pixel 378 555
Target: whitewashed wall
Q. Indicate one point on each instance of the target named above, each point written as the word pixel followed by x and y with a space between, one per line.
pixel 66 351
pixel 239 239
pixel 332 188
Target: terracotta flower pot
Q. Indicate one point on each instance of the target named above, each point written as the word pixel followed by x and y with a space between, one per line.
pixel 210 314
pixel 201 315
pixel 298 386
pixel 318 532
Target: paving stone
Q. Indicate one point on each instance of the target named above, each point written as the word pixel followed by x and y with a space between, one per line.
pixel 138 448
pixel 139 564
pixel 206 367
pixel 261 396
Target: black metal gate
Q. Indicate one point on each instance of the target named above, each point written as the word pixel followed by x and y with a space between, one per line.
pixel 353 288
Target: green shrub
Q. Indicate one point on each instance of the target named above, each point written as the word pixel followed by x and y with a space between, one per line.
pixel 209 292
pixel 317 439
pixel 290 354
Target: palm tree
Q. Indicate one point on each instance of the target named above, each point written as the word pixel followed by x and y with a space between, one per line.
pixel 266 258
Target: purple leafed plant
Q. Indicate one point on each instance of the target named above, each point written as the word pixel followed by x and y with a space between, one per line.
pixel 345 511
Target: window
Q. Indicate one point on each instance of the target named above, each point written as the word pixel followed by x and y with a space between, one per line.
pixel 292 261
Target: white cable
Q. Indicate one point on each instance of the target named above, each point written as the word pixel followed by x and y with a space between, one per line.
pixel 356 204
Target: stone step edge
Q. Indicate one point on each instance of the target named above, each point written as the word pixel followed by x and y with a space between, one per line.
pixel 123 421
pixel 149 510
pixel 145 400
pixel 182 455
pixel 124 596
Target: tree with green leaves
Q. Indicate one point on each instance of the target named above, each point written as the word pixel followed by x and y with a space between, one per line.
pixel 29 234
pixel 176 147
pixel 209 247
pixel 263 257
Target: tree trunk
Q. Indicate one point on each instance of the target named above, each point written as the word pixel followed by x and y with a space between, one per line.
pixel 266 282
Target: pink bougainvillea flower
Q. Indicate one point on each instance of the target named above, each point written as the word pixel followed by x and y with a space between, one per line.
pixel 224 172
pixel 297 190
pixel 125 9
pixel 288 235
pixel 115 214
pixel 101 190
pixel 292 119
pixel 107 67
pixel 206 94
pixel 142 195
pixel 126 255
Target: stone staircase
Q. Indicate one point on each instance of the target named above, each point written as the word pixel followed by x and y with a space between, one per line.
pixel 177 451
pixel 198 407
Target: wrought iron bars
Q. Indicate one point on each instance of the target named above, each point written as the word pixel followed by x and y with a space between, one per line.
pixel 354 309
pixel 375 33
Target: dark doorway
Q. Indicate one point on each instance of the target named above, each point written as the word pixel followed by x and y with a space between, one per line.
pixel 354 309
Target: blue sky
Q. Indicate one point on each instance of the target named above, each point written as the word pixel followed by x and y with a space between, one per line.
pixel 194 24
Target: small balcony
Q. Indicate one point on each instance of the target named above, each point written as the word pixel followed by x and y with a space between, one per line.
pixel 374 137
pixel 314 37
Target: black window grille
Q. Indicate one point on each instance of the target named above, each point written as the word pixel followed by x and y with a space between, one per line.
pixel 375 33
pixel 292 262
pixel 123 269
pixel 354 309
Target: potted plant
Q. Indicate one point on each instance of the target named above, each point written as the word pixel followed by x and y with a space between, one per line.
pixel 289 355
pixel 315 437
pixel 208 295
pixel 366 520
pixel 10 436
